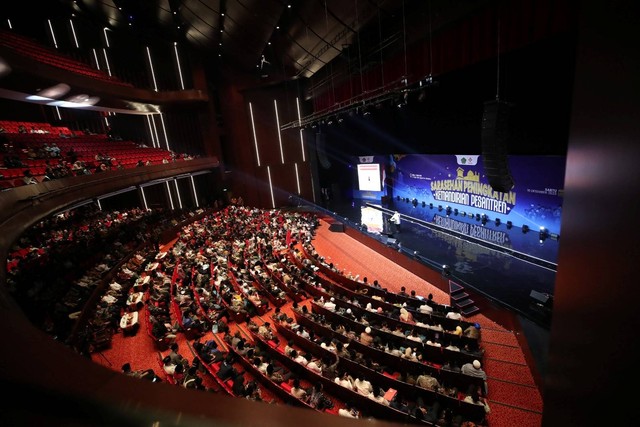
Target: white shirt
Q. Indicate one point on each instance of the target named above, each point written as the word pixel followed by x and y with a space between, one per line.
pixel 454 315
pixel 312 365
pixel 346 413
pixel 395 218
pixel 344 383
pixel 330 306
pixel 363 387
pixel 301 360
pixel 425 308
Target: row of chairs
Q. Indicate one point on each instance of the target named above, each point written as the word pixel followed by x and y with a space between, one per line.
pixel 49 56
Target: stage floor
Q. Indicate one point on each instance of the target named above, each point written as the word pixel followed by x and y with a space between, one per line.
pixel 506 264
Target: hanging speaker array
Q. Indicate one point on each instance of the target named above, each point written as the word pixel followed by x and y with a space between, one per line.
pixel 495 144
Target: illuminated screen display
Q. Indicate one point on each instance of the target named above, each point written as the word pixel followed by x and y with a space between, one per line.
pixel 372 218
pixel 369 177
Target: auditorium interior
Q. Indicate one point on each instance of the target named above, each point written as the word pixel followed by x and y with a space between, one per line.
pixel 160 118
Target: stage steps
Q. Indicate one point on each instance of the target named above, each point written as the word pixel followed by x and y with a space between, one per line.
pixel 460 299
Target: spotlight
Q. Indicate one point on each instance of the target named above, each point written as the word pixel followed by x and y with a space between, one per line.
pixel 430 205
pixel 414 202
pixel 416 254
pixel 484 220
pixel 463 213
pixel 455 211
pixel 439 207
pixel 477 217
pixel 398 198
pixel 5 68
pixel 497 221
pixel 525 228
pixel 423 204
pixel 509 225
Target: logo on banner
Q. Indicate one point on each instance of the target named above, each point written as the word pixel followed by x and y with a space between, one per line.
pixel 468 160
pixel 366 159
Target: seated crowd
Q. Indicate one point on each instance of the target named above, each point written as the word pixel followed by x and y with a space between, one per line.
pixel 46 153
pixel 235 265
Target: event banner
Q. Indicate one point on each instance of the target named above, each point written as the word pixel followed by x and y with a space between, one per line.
pixel 459 181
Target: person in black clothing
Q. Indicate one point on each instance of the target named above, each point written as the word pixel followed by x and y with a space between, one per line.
pixel 226 369
pixel 238 387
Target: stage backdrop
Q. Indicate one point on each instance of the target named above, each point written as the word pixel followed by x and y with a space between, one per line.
pixel 458 181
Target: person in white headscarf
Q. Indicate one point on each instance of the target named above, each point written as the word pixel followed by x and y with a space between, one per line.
pixel 365 336
pixel 405 316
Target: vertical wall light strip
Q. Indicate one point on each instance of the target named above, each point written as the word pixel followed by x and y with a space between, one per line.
pixel 164 129
pixel 153 143
pixel 95 55
pixel 106 37
pixel 273 202
pixel 144 198
pixel 75 38
pixel 106 121
pixel 153 73
pixel 58 113
pixel 313 189
pixel 298 107
pixel 297 178
pixel 255 138
pixel 106 60
pixel 175 48
pixel 275 104
pixel 9 22
pixel 53 36
pixel 155 130
pixel 169 193
pixel 195 193
pixel 300 124
pixel 302 146
pixel 175 181
pixel 99 204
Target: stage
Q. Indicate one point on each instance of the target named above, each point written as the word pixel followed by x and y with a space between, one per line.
pixel 503 263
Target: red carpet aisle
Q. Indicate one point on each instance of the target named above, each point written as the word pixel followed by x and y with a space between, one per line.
pixel 513 397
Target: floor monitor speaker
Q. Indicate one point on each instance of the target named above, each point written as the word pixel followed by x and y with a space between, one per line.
pixel 336 227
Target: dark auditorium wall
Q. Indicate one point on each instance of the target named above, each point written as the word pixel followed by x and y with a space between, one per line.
pixel 593 356
pixel 22 111
pixel 251 181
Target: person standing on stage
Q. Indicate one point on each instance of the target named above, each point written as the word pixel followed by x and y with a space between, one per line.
pixel 395 220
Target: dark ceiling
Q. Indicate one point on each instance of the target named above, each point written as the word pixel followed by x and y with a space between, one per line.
pixel 296 37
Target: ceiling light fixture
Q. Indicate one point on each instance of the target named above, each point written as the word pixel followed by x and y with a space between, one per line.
pixel 56 91
pixel 5 68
